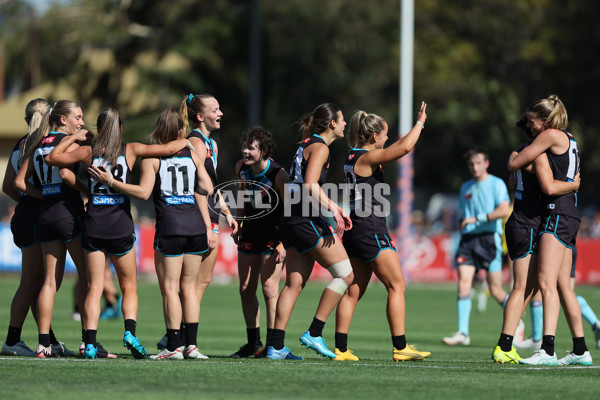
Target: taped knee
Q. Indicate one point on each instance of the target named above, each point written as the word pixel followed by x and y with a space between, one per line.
pixel 339 271
pixel 338 285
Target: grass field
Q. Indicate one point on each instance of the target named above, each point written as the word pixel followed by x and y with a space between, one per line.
pixel 450 373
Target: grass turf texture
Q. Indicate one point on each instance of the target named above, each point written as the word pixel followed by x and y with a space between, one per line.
pixel 464 372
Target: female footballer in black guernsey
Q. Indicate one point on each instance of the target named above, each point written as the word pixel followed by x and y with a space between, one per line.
pixel 307 237
pixel 61 210
pixel 260 251
pixel 202 116
pixel 368 243
pixel 108 231
pixel 547 119
pixel 521 231
pixel 23 225
pixel 181 226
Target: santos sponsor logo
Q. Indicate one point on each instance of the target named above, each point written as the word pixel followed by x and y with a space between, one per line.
pixel 237 194
pixel 49 190
pixel 108 200
pixel 174 200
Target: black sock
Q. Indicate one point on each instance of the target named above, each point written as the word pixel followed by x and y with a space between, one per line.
pixel 579 346
pixel 505 342
pixel 174 336
pixel 191 334
pixel 83 335
pixel 130 325
pixel 13 336
pixel 269 335
pixel 253 335
pixel 91 337
pixel 183 334
pixel 341 341
pixel 277 339
pixel 399 342
pixel 316 328
pixel 53 338
pixel 548 344
pixel 44 339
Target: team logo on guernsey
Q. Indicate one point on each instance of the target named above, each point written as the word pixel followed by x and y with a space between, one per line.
pixel 245 246
pixel 351 157
pixel 239 193
pixel 48 139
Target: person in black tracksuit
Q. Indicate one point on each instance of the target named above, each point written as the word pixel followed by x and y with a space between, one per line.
pixel 369 244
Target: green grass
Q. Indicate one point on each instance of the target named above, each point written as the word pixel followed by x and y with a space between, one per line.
pixel 451 372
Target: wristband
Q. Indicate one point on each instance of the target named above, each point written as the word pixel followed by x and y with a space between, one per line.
pixel 483 217
pixel 421 123
pixel 110 181
pixel 228 218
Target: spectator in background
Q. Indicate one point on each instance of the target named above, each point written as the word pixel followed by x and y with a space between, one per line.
pixel 594 227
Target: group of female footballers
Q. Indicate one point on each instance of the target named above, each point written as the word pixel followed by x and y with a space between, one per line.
pixel 178 169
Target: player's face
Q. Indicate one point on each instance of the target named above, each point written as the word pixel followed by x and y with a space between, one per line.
pixel 251 153
pixel 73 121
pixel 212 115
pixel 381 137
pixel 478 166
pixel 534 123
pixel 339 125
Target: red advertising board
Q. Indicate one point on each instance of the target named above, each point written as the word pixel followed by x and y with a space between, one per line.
pixel 431 258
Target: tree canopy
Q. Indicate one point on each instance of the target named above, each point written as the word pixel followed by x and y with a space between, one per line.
pixel 477 64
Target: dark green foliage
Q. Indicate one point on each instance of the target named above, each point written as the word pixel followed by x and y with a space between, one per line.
pixel 477 64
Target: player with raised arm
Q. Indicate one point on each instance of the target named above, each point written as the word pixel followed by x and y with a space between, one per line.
pixel 369 244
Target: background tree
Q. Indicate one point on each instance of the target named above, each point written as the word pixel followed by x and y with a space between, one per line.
pixel 477 64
